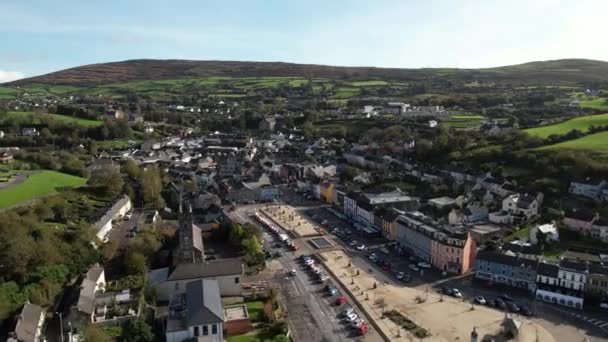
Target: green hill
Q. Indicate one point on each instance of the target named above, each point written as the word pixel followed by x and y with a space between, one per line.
pixel 581 123
pixel 36 185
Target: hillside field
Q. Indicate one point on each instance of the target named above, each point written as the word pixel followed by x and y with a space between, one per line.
pixel 36 185
pixel 34 118
pixel 582 124
pixel 595 143
pixel 598 103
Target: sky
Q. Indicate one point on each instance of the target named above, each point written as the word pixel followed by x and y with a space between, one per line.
pixel 41 36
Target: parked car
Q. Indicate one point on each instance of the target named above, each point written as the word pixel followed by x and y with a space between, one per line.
pixel 500 304
pixel 491 302
pixel 400 275
pixel 341 300
pixel 356 324
pixel 128 216
pixel 446 290
pixel 456 293
pixel 352 317
pixel 347 311
pixel 506 297
pixel 293 272
pixel 524 310
pixel 353 243
pixel 323 278
pixel 309 262
pixel 424 265
pixel 360 247
pixel 512 307
pixel 414 268
pixel 479 300
pixel 332 291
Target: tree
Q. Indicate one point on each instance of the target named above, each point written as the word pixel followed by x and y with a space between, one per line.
pixel 109 249
pixel 152 186
pixel 131 169
pixel 136 263
pixel 107 178
pixel 138 331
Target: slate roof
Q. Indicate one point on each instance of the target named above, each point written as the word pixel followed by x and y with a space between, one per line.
pixel 582 214
pixel 203 303
pixel 505 259
pixel 86 299
pixel 207 269
pixel 548 270
pixel 525 200
pixel 94 272
pixel 27 324
pixel 573 265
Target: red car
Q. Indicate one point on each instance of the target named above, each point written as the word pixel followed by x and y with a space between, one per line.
pixel 363 329
pixel 341 300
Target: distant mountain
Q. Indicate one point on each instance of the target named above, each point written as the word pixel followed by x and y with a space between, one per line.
pixel 556 71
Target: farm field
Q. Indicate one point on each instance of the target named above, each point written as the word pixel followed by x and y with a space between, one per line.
pixel 463 122
pixel 595 143
pixel 599 103
pixel 34 118
pixel 581 123
pixel 36 185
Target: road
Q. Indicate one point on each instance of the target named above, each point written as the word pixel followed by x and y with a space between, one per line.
pixel 311 313
pixel 121 229
pixel 569 325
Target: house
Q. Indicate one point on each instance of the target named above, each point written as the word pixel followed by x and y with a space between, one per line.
pixel 261 190
pixel 580 220
pixel 103 225
pixel 151 217
pixel 93 282
pixel 473 212
pixel 116 114
pixel 562 284
pixel 386 219
pixel 514 271
pixel 589 189
pixel 597 282
pixel 453 253
pixel 599 230
pixel 6 158
pixel 548 230
pixel 197 314
pixel 267 124
pixel 29 324
pixel 518 209
pixel 172 281
pixel 30 132
pixel 442 202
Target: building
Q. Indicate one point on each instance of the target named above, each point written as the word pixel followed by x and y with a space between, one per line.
pixel 28 327
pixel 517 209
pixel 597 282
pixel 94 282
pixel 560 284
pixel 580 220
pixel 261 190
pixel 267 124
pixel 197 314
pixel 589 189
pixel 103 226
pixel 549 232
pixel 6 158
pixel 190 248
pixel 386 219
pixel 116 114
pixel 169 282
pixel 505 269
pixel 450 250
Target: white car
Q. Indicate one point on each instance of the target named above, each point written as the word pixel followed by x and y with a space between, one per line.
pixel 361 247
pixel 309 262
pixel 456 293
pixel 348 311
pixel 324 278
pixel 128 216
pixel 480 300
pixel 352 317
pixel 357 323
pixel 423 264
pixel 292 272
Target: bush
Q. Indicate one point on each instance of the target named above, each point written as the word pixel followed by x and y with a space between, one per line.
pixel 421 333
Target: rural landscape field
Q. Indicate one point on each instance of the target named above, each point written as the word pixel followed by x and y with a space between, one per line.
pixel 37 184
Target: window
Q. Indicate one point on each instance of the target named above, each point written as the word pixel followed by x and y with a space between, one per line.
pixel 214 329
pixel 196 331
pixel 205 330
pixel 177 286
pixel 236 280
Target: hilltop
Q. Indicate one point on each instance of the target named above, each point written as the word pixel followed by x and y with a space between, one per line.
pixel 545 72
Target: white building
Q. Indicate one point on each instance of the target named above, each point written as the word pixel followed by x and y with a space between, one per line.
pixel 591 190
pixel 117 211
pixel 550 280
pixel 549 230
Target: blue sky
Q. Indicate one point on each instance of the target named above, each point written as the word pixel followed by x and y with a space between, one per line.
pixel 40 36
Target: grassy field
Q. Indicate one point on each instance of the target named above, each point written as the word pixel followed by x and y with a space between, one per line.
pixel 597 142
pixel 463 121
pixel 598 103
pixel 34 118
pixel 581 123
pixel 368 83
pixel 346 92
pixel 36 185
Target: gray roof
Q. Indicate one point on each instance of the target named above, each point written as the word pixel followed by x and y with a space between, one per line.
pixel 86 299
pixel 27 324
pixel 111 213
pixel 203 303
pixel 94 272
pixel 207 269
pixel 158 276
pixel 197 238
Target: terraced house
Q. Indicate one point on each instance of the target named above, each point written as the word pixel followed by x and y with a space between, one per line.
pixel 506 269
pixel 451 250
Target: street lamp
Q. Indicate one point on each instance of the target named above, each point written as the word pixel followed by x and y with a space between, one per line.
pixel 60 324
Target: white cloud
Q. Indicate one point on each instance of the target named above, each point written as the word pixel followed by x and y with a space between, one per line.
pixel 7 76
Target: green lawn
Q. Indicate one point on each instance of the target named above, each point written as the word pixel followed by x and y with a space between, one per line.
pixel 39 184
pixel 256 310
pixel 242 338
pixel 581 123
pixel 597 103
pixel 597 142
pixel 462 121
pixel 368 83
pixel 346 92
pixel 522 234
pixel 34 118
